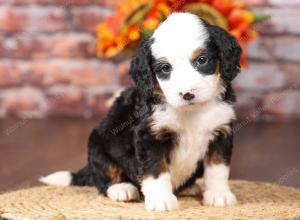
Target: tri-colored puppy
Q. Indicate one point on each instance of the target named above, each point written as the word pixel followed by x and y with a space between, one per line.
pixel 173 126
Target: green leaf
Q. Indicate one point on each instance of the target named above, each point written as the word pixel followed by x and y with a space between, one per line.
pixel 260 16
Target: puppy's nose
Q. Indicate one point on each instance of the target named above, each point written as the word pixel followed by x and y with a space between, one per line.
pixel 187 96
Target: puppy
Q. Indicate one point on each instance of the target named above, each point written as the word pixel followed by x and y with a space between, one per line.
pixel 173 126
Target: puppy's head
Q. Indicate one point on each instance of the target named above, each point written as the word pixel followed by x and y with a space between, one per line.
pixel 189 61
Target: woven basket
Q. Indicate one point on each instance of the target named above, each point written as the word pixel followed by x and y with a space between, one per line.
pixel 256 201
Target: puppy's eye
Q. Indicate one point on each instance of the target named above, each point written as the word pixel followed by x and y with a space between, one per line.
pixel 166 68
pixel 163 70
pixel 201 60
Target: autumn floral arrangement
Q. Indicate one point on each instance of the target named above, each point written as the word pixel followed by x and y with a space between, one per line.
pixel 135 19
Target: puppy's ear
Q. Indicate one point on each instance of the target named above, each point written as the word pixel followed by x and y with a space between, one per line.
pixel 140 69
pixel 230 52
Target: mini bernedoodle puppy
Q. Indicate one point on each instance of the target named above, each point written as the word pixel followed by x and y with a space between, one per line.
pixel 173 126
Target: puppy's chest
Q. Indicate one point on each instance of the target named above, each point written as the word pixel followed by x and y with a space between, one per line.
pixel 193 131
pixel 191 147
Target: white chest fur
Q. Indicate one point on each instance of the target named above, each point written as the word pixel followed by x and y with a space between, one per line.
pixel 194 129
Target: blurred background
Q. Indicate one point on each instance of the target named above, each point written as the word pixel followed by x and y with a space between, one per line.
pixel 54 89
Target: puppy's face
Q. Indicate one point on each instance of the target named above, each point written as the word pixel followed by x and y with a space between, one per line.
pixel 185 64
pixel 188 60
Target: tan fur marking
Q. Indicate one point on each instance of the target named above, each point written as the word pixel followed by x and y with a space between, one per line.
pixel 161 133
pixel 196 53
pixel 224 129
pixel 115 173
pixel 158 91
pixel 217 72
pixel 215 158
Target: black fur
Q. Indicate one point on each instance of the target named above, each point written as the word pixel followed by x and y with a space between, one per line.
pixel 141 68
pixel 222 146
pixel 230 51
pixel 132 149
pixel 122 148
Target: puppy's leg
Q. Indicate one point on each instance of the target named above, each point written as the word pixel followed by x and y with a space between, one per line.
pixel 159 194
pixel 108 177
pixel 152 148
pixel 216 172
pixel 217 191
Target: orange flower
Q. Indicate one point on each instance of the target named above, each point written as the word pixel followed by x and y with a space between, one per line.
pixel 223 6
pixel 243 60
pixel 151 23
pixel 133 32
pixel 243 35
pixel 163 8
pixel 135 18
pixel 240 17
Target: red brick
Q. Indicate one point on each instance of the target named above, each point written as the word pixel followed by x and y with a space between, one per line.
pixel 63 101
pixel 256 2
pixel 284 104
pixel 39 47
pixel 278 47
pixel 282 21
pixel 9 21
pixel 281 3
pixel 74 46
pixel 33 19
pixel 123 71
pixel 260 77
pixel 15 48
pixel 21 2
pixel 287 48
pixel 81 73
pixel 10 74
pixel 47 73
pixel 292 73
pixel 23 101
pixel 97 102
pixel 87 19
pixel 73 2
pixel 261 49
pixel 25 47
pixel 62 2
pixel 107 2
pixel 94 73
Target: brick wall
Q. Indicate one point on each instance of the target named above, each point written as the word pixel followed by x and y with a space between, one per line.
pixel 48 65
pixel 270 88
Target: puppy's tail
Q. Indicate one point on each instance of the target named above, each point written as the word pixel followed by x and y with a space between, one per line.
pixel 66 178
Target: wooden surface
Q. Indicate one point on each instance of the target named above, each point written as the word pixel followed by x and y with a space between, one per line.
pixel 31 148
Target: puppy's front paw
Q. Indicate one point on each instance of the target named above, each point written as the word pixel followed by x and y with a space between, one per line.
pixel 219 198
pixel 161 202
pixel 123 192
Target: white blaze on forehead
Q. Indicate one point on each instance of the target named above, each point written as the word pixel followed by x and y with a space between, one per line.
pixel 175 41
pixel 178 36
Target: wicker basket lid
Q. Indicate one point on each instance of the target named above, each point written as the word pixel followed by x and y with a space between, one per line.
pixel 256 201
